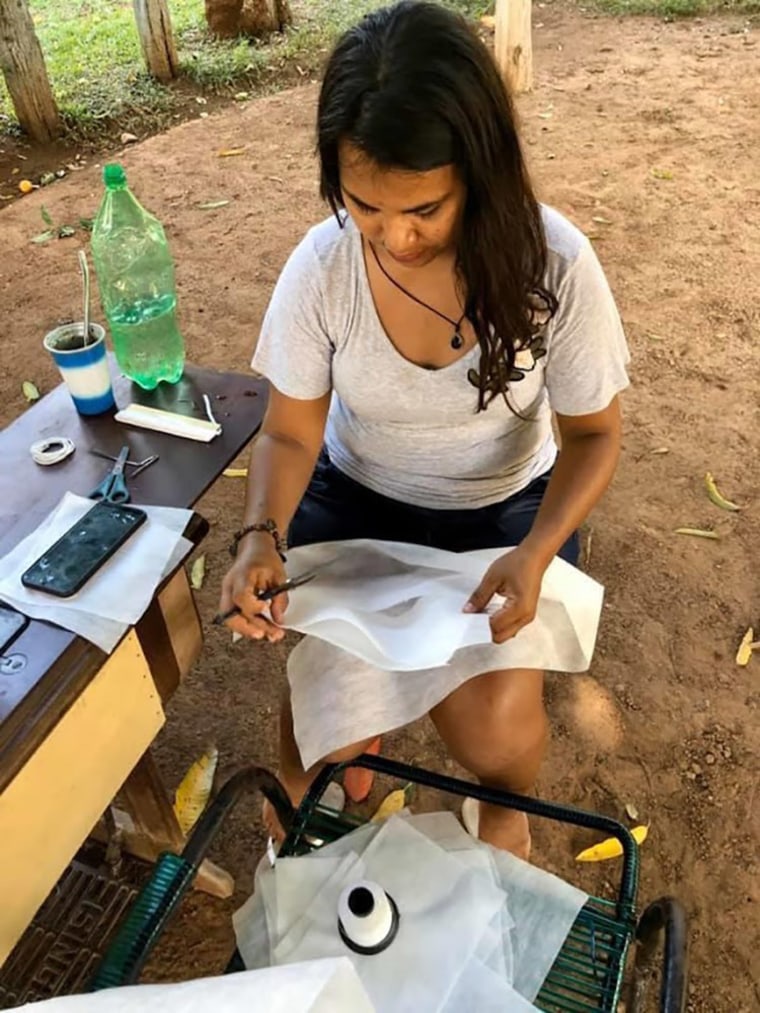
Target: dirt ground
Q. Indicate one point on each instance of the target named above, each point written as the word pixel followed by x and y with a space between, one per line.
pixel 646 134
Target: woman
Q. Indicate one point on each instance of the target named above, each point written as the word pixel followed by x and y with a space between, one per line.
pixel 417 344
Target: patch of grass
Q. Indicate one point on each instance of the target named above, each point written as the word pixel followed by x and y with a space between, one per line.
pixel 672 9
pixel 96 69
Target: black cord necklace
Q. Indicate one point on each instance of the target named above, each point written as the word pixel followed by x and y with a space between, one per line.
pixel 457 341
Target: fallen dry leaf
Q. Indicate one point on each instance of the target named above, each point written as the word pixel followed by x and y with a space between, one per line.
pixel 197 573
pixel 746 648
pixel 193 793
pixel 391 804
pixel 230 152
pixel 235 472
pixel 699 533
pixel 717 497
pixel 611 848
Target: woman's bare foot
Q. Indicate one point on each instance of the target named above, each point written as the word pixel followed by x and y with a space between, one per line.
pixel 503 828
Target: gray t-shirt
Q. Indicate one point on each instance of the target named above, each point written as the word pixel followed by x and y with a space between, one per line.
pixel 413 433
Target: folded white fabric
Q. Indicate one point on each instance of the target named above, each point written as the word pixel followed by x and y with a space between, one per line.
pixel 388 640
pixel 319 986
pixel 119 593
pixel 399 606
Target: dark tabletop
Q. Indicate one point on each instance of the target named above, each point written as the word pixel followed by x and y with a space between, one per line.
pixel 41 669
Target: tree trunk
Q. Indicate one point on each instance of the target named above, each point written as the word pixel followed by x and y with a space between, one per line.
pixel 256 18
pixel 23 67
pixel 155 30
pixel 513 43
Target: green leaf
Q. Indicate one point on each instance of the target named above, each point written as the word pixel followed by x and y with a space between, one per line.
pixel 65 231
pixel 86 224
pixel 30 391
pixel 43 236
pixel 46 216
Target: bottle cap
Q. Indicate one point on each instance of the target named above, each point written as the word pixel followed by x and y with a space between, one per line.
pixel 114 175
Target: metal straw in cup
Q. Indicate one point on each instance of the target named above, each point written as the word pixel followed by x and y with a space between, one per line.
pixel 85 269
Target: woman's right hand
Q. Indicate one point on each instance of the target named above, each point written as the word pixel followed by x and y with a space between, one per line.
pixel 256 568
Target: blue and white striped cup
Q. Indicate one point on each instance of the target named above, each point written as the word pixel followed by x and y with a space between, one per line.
pixel 84 368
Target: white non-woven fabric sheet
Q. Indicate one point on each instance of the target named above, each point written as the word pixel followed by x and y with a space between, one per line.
pixel 118 594
pixel 506 957
pixel 319 986
pixel 399 606
pixel 387 639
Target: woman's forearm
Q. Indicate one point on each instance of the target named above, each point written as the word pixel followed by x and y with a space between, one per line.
pixel 278 475
pixel 584 469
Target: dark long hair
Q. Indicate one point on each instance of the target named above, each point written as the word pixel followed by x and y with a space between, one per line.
pixel 414 88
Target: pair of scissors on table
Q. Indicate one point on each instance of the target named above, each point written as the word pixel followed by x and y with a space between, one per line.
pixel 267 595
pixel 113 488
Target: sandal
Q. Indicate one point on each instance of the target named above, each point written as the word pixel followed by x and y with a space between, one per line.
pixel 357 781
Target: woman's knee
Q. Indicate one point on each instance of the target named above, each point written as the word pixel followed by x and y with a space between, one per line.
pixel 496 725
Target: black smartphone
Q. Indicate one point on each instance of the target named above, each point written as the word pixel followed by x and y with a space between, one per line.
pixel 11 624
pixel 67 566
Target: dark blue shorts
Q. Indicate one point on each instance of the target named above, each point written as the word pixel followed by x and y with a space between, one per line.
pixel 336 508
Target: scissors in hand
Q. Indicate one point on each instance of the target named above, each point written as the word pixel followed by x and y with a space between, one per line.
pixel 113 488
pixel 267 595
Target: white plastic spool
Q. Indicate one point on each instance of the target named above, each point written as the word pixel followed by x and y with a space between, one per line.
pixel 367 917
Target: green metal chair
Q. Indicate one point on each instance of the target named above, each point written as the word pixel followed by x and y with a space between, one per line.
pixel 590 970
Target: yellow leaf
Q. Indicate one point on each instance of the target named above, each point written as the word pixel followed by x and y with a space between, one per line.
pixel 611 848
pixel 26 186
pixel 193 793
pixel 746 647
pixel 698 533
pixel 716 496
pixel 391 804
pixel 662 174
pixel 488 21
pixel 231 152
pixel 197 573
pixel 235 472
pixel 30 391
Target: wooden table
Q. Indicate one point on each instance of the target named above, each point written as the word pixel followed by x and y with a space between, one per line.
pixel 76 725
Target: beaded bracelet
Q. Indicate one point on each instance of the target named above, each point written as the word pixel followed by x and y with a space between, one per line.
pixel 270 527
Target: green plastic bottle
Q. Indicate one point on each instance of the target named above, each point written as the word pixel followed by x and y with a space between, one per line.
pixel 135 275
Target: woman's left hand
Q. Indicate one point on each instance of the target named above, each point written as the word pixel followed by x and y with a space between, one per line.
pixel 517 576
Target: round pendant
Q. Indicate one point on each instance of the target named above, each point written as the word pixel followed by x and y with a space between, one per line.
pixel 457 340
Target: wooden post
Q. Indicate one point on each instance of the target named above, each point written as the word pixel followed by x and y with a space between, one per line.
pixel 513 44
pixel 23 67
pixel 155 30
